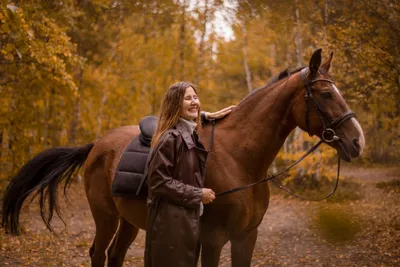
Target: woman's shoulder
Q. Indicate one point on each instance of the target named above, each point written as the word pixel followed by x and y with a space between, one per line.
pixel 169 136
pixel 170 133
pixel 170 140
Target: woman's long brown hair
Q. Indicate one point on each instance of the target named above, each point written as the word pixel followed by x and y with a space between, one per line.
pixel 171 109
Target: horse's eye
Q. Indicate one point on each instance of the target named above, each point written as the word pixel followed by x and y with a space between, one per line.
pixel 327 95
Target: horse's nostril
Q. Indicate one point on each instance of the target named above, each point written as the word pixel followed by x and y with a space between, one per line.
pixel 356 143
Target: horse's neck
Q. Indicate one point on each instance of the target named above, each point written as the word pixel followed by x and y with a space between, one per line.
pixel 261 124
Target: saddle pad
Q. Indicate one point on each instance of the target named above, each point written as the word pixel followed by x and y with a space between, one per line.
pixel 130 171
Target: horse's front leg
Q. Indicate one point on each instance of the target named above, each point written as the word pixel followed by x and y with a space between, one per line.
pixel 211 246
pixel 242 247
pixel 210 254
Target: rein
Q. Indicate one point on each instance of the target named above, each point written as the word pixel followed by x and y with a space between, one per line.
pixel 328 136
pixel 274 176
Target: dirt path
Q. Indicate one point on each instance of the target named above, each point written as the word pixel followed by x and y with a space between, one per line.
pixel 293 232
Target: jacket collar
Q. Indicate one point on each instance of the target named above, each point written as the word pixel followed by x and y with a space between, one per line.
pixel 187 137
pixel 189 125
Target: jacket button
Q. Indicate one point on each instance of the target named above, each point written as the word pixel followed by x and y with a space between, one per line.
pixel 171 248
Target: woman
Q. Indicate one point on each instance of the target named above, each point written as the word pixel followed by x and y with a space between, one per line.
pixel 176 179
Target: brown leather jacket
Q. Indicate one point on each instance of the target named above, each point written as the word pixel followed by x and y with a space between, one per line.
pixel 175 177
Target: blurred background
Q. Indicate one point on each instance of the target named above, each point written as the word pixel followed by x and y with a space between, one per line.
pixel 72 70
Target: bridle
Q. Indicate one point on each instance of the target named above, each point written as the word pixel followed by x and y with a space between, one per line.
pixel 328 136
pixel 328 133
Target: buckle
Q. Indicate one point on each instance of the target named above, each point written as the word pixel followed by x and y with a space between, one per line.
pixel 329 135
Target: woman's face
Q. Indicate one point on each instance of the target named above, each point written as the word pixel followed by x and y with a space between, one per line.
pixel 190 105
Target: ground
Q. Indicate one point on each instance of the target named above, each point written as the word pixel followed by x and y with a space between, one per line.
pixel 364 232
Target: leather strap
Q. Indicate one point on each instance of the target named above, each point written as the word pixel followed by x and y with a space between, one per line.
pixel 274 176
pixel 212 134
pixel 287 190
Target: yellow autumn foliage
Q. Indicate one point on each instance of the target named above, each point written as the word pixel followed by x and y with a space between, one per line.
pixel 70 72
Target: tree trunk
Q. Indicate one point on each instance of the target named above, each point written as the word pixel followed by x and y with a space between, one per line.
pixel 46 119
pixel 201 45
pixel 182 43
pixel 326 10
pixel 50 119
pixel 297 135
pixel 100 117
pixel 244 53
pixel 3 155
pixel 298 138
pixel 11 133
pixel 272 50
pixel 53 127
pixel 297 35
pixel 104 97
pixel 72 134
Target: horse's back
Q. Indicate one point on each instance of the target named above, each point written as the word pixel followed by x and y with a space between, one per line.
pixel 106 153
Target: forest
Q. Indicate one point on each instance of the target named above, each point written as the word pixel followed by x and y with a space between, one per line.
pixel 71 70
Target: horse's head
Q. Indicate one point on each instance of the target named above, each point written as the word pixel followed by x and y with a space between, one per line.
pixel 320 110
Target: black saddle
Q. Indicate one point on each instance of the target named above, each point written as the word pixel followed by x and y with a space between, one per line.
pixel 148 126
pixel 130 171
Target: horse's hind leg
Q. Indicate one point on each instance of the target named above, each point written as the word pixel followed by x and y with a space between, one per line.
pixel 106 225
pixel 242 248
pixel 104 211
pixel 126 234
pixel 105 231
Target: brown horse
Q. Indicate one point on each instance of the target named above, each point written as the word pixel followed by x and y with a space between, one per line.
pixel 245 144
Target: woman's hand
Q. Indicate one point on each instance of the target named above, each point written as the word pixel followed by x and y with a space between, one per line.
pixel 219 114
pixel 208 195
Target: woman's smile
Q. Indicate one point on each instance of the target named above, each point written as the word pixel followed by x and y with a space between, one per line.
pixel 190 105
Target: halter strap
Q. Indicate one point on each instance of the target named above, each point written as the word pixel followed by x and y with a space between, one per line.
pixel 328 130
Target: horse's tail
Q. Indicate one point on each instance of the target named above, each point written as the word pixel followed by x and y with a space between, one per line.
pixel 43 173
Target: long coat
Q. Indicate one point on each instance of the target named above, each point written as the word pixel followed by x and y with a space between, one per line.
pixel 176 178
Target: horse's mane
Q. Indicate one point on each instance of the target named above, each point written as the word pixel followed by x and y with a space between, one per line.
pixel 282 75
pixel 286 73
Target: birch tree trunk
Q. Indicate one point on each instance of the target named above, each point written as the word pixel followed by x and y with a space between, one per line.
pixel 244 53
pixel 297 143
pixel 297 36
pixel 293 145
pixel 107 85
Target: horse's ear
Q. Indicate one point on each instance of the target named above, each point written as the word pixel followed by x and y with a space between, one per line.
pixel 315 62
pixel 327 64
